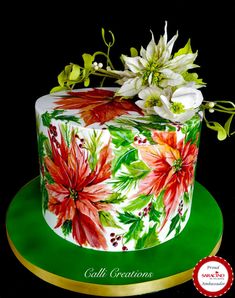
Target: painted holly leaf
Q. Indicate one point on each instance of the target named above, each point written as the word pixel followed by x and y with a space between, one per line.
pixel 154 214
pixel 67 227
pixel 97 105
pixel 148 239
pixel 58 115
pixel 121 136
pixel 138 203
pixel 175 220
pixel 134 230
pixel 125 158
pixel 127 217
pixel 107 220
pixel 191 129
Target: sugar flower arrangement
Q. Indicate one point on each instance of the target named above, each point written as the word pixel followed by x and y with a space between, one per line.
pixel 159 81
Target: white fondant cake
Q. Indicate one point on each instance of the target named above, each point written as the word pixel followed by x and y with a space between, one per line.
pixel 112 178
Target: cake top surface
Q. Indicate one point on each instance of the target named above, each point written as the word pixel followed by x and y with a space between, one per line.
pixel 99 108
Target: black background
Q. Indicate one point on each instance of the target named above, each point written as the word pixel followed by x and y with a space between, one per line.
pixel 38 40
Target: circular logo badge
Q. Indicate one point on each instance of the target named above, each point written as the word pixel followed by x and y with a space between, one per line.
pixel 213 276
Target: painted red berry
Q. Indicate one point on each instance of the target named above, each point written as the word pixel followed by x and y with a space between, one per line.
pixel 118 238
pixel 124 248
pixel 112 234
pixel 115 244
pixel 144 140
pixel 112 240
pixel 135 138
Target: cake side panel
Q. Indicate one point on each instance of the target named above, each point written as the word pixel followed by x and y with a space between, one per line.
pixel 124 187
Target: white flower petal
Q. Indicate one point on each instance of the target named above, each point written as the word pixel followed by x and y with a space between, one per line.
pixel 191 98
pixel 151 48
pixel 135 64
pixel 149 91
pixel 182 63
pixel 131 87
pixel 170 78
pixel 143 53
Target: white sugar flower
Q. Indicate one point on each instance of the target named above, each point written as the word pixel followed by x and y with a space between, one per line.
pixel 157 67
pixel 181 105
pixel 150 98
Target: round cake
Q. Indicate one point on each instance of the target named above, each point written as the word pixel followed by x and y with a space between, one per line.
pixel 113 178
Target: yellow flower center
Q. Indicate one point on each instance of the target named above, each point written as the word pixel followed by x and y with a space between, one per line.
pixel 177 108
pixel 152 101
pixel 73 194
pixel 151 69
pixel 177 164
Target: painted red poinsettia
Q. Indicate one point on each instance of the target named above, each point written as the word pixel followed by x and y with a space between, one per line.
pixel 97 105
pixel 77 191
pixel 172 163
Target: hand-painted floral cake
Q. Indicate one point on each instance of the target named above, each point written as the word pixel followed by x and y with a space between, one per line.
pixel 118 165
pixel 113 178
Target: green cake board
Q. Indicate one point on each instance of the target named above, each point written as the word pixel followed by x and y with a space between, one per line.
pixel 100 273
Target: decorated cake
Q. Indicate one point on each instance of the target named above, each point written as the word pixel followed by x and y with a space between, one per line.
pixel 117 165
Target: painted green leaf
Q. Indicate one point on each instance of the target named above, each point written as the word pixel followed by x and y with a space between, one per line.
pixel 175 220
pixel 127 217
pixel 126 158
pixel 93 144
pixel 177 229
pixel 185 50
pixel 159 204
pixel 191 129
pixel 138 203
pixel 68 118
pixel 130 177
pixel 58 115
pixel 115 198
pixel 46 119
pixel 183 217
pixel 186 197
pixel 138 169
pixel 44 197
pixel 121 136
pixel 134 230
pixel 48 177
pixel 148 239
pixel 107 220
pixel 41 139
pixel 67 227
